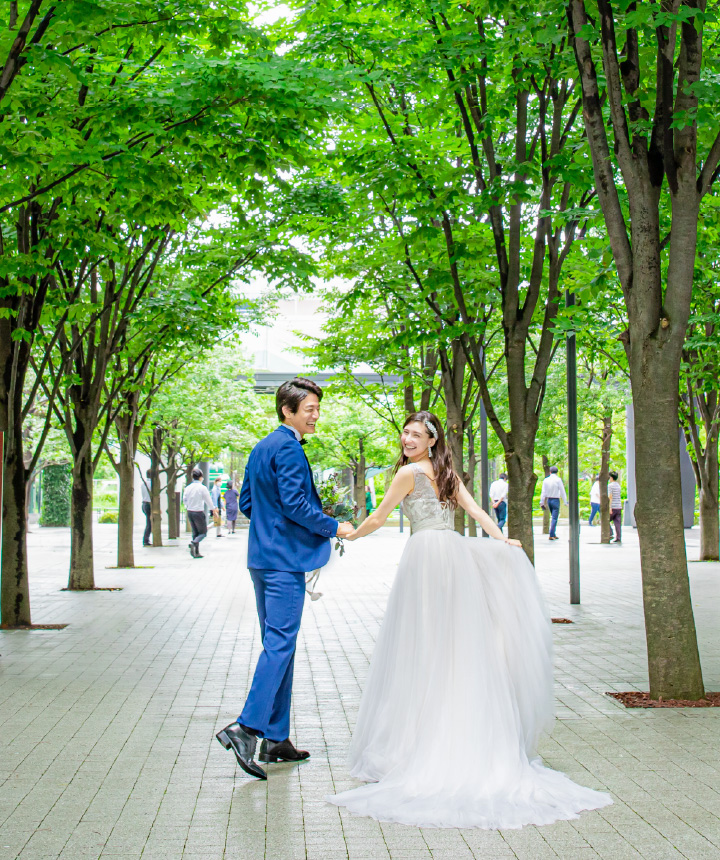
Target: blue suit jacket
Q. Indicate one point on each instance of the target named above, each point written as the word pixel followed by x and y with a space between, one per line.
pixel 288 530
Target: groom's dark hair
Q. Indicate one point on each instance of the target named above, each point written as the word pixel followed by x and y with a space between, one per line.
pixel 292 394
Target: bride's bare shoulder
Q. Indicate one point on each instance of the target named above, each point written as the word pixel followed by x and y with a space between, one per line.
pixel 405 473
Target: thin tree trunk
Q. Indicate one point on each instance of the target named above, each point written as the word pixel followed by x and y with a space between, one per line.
pixel 155 511
pixel 360 481
pixel 452 367
pixel 15 585
pixel 709 520
pixel 469 477
pixel 126 505
pixel 172 512
pixel 604 476
pixel 82 570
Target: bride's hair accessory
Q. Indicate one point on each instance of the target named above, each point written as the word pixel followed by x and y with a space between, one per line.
pixel 431 428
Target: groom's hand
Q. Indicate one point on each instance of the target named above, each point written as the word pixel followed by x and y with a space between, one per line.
pixel 345 530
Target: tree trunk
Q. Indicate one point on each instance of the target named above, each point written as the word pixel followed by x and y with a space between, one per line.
pixel 604 476
pixel 15 586
pixel 469 477
pixel 155 511
pixel 126 506
pixel 82 570
pixel 546 510
pixel 673 658
pixel 521 488
pixel 171 498
pixel 709 520
pixel 360 481
pixel 455 438
pixel 452 368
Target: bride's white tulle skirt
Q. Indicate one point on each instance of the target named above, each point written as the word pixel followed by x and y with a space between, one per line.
pixel 459 691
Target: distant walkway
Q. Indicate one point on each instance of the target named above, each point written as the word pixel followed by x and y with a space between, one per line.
pixel 106 727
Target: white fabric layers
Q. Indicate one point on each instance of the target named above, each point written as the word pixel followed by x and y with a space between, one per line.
pixel 459 692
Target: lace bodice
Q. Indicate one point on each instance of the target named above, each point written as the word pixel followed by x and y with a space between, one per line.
pixel 423 508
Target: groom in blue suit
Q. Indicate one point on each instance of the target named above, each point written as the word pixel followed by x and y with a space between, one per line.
pixel 289 535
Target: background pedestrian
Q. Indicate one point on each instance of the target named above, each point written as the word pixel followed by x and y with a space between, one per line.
pixel 615 495
pixel 594 500
pixel 499 497
pixel 552 493
pixel 231 506
pixel 195 497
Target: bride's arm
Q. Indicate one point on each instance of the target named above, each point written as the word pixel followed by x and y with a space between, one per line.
pixel 402 484
pixel 468 504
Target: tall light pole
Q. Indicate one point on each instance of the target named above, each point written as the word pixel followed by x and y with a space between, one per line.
pixel 573 501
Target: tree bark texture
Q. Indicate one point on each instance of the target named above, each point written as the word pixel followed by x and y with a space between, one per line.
pixel 155 465
pixel 126 505
pixel 452 370
pixel 655 158
pixel 82 569
pixel 702 407
pixel 171 510
pixel 15 585
pixel 360 481
pixel 521 489
pixel 469 477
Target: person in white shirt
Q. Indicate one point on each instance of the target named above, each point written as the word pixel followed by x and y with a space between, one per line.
pixel 594 500
pixel 552 493
pixel 615 494
pixel 195 497
pixel 146 506
pixel 498 497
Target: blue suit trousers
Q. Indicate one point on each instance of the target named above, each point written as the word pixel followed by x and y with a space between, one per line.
pixel 280 597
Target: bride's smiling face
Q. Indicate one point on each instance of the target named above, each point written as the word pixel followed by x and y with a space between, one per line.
pixel 416 440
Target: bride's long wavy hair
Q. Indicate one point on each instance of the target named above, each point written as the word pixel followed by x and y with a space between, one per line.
pixel 447 480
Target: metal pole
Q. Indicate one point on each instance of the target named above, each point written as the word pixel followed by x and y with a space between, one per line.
pixel 573 501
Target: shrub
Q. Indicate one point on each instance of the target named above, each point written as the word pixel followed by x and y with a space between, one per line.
pixel 108 517
pixel 56 488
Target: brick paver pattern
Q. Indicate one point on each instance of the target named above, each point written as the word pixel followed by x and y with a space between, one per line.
pixel 107 727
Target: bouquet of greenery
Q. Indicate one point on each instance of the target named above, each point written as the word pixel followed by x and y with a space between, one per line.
pixel 335 503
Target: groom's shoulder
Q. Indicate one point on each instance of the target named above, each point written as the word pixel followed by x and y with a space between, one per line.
pixel 274 440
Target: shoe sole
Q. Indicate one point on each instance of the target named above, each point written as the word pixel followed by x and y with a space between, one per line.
pixel 224 741
pixel 277 759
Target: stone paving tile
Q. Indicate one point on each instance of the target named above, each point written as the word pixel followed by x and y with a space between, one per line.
pixel 106 727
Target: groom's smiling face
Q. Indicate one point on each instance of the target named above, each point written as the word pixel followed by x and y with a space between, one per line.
pixel 306 417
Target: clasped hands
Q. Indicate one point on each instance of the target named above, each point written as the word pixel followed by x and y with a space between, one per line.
pixel 345 530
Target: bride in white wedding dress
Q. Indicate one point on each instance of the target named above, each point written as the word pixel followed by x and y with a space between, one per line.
pixel 460 684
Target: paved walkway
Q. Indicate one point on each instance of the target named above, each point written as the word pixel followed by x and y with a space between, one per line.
pixel 106 727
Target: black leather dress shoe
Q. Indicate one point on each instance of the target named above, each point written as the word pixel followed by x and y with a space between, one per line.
pixel 243 744
pixel 282 751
